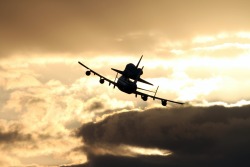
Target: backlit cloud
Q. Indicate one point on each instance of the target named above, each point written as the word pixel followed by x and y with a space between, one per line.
pixel 196 136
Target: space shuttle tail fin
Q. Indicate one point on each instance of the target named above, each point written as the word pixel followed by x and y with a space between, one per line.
pixel 139 62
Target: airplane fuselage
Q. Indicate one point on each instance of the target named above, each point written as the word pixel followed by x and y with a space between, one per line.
pixel 125 85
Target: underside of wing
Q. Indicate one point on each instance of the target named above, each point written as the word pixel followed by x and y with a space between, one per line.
pixel 145 96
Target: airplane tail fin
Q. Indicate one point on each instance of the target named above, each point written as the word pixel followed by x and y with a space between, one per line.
pixel 139 62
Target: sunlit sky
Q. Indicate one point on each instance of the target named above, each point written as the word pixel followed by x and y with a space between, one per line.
pixel 196 51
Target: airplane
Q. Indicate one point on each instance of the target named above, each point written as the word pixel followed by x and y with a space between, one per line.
pixel 127 82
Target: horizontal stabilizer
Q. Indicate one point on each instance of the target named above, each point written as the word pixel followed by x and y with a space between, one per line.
pixel 143 81
pixel 118 71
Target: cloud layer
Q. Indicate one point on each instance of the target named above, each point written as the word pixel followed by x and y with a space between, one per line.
pixel 197 136
pixel 48 105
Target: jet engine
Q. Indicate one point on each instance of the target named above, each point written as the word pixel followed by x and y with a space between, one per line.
pixel 144 97
pixel 101 80
pixel 164 102
pixel 88 73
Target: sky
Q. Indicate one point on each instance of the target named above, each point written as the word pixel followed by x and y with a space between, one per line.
pixel 52 114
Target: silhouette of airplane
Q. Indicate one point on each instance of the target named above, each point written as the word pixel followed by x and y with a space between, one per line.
pixel 127 81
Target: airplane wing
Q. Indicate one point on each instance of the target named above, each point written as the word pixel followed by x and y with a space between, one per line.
pixel 164 101
pixel 101 77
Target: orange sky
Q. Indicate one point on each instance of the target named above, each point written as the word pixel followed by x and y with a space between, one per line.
pixel 196 51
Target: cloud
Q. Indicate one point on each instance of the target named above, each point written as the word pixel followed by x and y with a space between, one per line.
pixel 90 26
pixel 47 108
pixel 13 136
pixel 197 136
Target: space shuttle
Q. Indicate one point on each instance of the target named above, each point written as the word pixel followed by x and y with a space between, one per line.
pixel 132 71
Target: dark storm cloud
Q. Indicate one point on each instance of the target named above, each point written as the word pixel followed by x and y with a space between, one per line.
pixel 112 26
pixel 13 136
pixel 197 136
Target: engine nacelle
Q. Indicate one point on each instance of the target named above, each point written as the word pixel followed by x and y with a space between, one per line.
pixel 101 80
pixel 164 102
pixel 145 98
pixel 88 73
